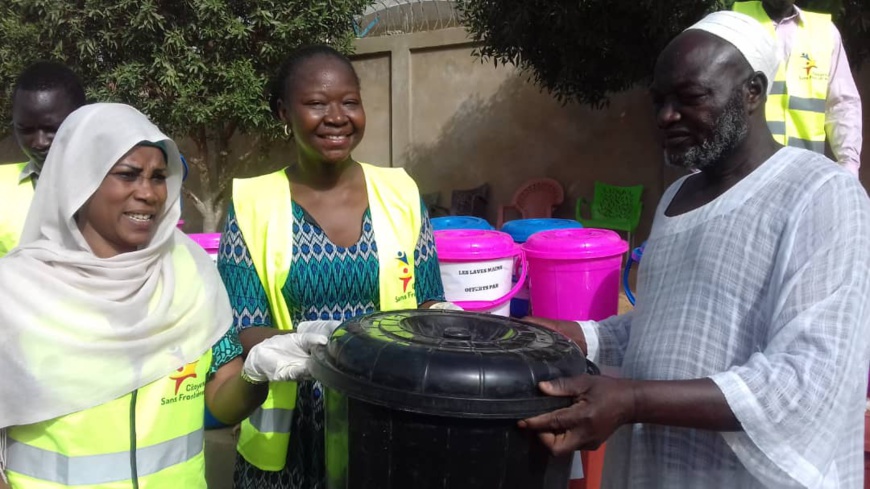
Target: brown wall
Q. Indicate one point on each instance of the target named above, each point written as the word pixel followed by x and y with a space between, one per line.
pixel 454 122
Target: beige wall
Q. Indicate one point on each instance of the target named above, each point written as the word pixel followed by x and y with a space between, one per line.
pixel 457 123
pixel 374 73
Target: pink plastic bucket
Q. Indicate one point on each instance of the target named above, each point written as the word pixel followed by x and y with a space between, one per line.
pixel 476 268
pixel 574 273
pixel 210 242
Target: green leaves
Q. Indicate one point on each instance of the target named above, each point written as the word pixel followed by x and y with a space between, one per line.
pixel 186 62
pixel 585 50
pixel 198 68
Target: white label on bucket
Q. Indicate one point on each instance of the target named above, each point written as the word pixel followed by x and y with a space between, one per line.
pixel 477 281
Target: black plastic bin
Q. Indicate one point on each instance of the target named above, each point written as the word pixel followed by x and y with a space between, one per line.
pixel 430 399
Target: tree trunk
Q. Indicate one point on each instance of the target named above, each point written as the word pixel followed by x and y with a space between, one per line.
pixel 211 219
pixel 214 169
pixel 210 207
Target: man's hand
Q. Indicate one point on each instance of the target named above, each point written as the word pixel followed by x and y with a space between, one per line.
pixel 568 329
pixel 601 405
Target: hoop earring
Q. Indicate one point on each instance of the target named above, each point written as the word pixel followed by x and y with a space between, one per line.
pixel 287 131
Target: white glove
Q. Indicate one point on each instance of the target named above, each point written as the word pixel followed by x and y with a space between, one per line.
pixel 447 306
pixel 324 328
pixel 281 357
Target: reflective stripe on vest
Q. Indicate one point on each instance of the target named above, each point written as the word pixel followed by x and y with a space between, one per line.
pixel 264 214
pixel 275 420
pixel 778 88
pixel 795 107
pixel 16 202
pixel 101 469
pixel 817 146
pixel 808 104
pixel 93 447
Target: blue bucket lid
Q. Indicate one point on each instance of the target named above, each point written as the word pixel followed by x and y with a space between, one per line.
pixel 459 222
pixel 521 229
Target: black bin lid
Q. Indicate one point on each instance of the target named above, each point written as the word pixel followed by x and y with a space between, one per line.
pixel 447 363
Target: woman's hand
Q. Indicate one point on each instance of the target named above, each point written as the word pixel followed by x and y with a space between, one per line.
pixel 281 358
pixel 324 328
pixel 229 397
pixel 254 335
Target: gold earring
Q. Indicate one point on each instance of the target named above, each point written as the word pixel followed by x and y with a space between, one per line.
pixel 287 131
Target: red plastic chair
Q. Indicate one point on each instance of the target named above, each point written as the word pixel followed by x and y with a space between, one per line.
pixel 534 199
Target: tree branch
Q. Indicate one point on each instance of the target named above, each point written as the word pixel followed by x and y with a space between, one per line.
pixel 200 206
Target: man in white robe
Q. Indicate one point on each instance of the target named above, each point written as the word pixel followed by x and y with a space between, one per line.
pixel 744 363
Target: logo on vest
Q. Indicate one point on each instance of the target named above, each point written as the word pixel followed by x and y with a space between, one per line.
pixel 810 66
pixel 191 391
pixel 405 274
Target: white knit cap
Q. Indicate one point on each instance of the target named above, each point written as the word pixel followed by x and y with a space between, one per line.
pixel 756 43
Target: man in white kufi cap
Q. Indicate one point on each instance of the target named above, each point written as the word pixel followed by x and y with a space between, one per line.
pixel 744 362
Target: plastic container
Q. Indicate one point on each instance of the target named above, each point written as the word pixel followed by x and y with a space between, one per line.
pixel 210 242
pixel 430 399
pixel 574 273
pixel 459 222
pixel 521 230
pixel 180 224
pixel 476 268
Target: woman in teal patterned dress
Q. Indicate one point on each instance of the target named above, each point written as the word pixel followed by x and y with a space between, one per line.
pixel 334 272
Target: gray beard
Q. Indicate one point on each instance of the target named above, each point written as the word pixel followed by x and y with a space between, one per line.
pixel 731 128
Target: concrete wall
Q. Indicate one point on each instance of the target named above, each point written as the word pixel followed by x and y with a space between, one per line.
pixel 457 122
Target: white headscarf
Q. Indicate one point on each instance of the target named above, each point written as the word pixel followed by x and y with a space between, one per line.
pixel 753 40
pixel 76 330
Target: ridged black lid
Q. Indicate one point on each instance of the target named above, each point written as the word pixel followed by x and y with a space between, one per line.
pixel 447 363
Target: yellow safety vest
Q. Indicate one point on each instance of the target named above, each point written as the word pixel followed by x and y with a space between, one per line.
pixel 93 449
pixel 152 437
pixel 265 215
pixel 795 108
pixel 17 197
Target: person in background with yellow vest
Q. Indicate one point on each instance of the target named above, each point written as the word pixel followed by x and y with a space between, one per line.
pixel 813 99
pixel 45 93
pixel 353 239
pixel 115 326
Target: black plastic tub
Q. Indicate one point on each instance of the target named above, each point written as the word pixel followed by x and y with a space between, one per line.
pixel 430 399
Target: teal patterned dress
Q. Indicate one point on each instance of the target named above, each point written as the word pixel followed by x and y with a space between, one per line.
pixel 326 281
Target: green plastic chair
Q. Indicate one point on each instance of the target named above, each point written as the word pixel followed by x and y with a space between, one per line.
pixel 612 207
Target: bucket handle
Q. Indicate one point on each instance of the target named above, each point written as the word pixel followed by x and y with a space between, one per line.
pixel 475 306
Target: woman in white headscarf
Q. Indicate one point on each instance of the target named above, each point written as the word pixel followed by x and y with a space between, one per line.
pixel 113 326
